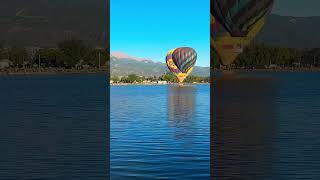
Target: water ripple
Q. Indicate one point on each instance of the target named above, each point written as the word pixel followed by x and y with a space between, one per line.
pixel 266 126
pixel 160 132
pixel 53 127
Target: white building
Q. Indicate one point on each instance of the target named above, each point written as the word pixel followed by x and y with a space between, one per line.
pixel 5 63
pixel 162 82
pixel 146 81
pixel 273 66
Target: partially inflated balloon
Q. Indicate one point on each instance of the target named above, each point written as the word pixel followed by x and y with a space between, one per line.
pixel 180 62
pixel 234 24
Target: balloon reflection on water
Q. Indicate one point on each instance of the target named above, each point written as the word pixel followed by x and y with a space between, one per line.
pixel 243 127
pixel 181 108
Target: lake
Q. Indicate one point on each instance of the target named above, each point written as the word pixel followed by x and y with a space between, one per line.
pixel 160 132
pixel 54 127
pixel 266 126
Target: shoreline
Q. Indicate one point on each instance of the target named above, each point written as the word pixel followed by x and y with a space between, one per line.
pixel 50 71
pixel 57 71
pixel 151 84
pixel 270 70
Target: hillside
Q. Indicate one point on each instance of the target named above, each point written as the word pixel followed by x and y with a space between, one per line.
pixel 125 65
pixel 291 32
pixel 46 22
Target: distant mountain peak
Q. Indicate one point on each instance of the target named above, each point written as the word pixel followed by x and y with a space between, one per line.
pixel 122 55
pixel 122 64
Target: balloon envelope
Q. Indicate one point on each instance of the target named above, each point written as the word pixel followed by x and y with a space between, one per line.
pixel 180 62
pixel 234 24
pixel 237 16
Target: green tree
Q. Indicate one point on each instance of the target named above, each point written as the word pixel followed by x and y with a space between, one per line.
pixel 169 76
pixel 131 78
pixel 18 55
pixel 2 52
pixel 115 79
pixel 73 51
pixel 102 54
pixel 48 54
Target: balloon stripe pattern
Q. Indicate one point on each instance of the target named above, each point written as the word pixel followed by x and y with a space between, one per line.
pixel 185 58
pixel 234 24
pixel 237 16
pixel 170 63
pixel 180 62
pixel 216 28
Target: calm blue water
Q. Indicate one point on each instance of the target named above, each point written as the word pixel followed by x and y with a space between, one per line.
pixel 266 126
pixel 53 127
pixel 160 132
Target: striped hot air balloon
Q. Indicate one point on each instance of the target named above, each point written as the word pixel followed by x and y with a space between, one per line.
pixel 235 23
pixel 180 62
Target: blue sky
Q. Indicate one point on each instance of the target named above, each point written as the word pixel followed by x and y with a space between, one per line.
pixel 149 28
pixel 297 7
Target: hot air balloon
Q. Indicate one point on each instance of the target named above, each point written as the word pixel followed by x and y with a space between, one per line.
pixel 180 62
pixel 235 23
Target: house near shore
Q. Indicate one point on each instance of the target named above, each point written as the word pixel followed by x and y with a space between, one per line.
pixel 147 81
pixel 273 66
pixel 296 64
pixel 83 65
pixel 5 63
pixel 80 63
pixel 162 82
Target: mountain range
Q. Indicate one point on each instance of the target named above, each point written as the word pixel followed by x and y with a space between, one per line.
pixel 291 32
pixel 47 22
pixel 122 64
pixel 279 31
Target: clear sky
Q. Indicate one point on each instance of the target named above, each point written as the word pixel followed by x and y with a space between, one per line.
pixel 150 28
pixel 298 8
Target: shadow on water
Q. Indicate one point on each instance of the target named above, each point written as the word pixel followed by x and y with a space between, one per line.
pixel 242 127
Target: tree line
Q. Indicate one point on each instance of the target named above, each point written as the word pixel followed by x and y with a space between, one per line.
pixel 168 76
pixel 66 54
pixel 261 55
